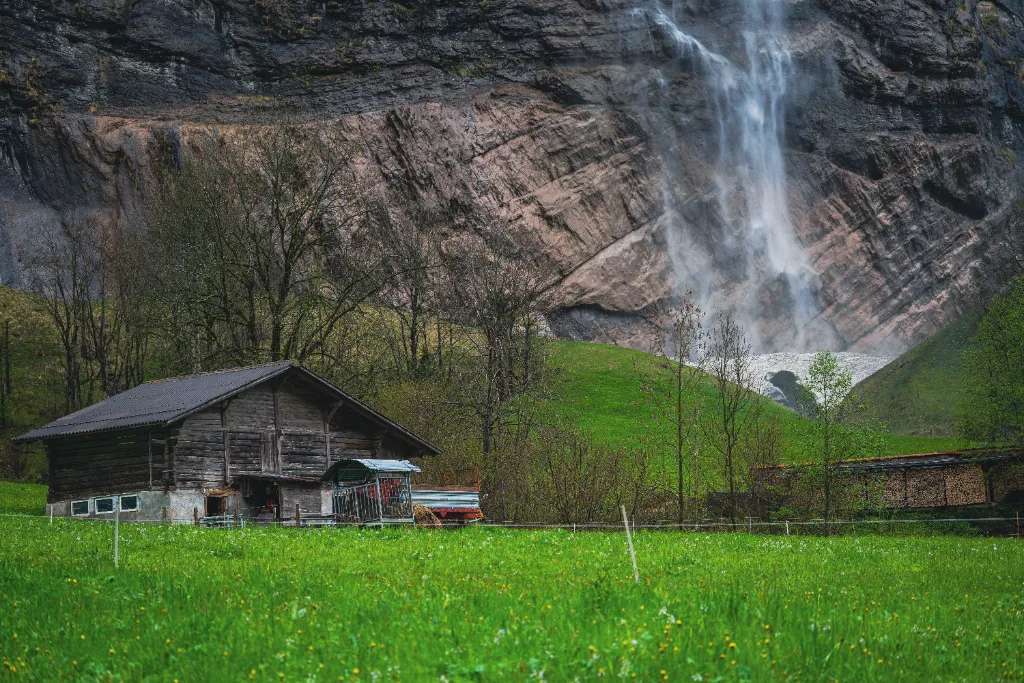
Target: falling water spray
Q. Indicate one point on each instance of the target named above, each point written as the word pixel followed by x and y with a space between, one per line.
pixel 767 282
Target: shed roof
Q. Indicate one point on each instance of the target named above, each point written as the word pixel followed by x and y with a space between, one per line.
pixel 164 402
pixel 373 465
pixel 918 460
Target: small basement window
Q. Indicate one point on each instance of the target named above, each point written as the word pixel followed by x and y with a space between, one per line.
pixel 79 507
pixel 104 505
pixel 129 503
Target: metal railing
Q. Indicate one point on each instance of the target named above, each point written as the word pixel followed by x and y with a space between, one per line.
pixel 385 500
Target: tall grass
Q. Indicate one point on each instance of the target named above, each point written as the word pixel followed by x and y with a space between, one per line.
pixel 490 604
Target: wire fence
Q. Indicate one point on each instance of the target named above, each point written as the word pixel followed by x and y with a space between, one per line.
pixel 981 526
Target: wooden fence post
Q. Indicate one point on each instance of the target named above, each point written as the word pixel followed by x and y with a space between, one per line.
pixel 298 515
pixel 195 516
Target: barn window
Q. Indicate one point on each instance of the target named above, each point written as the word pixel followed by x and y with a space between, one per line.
pixel 129 503
pixel 104 505
pixel 79 507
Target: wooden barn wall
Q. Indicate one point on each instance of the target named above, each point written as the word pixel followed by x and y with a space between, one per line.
pixel 299 407
pixel 199 450
pixel 252 408
pixel 308 499
pixel 395 448
pixel 108 463
pixel 248 421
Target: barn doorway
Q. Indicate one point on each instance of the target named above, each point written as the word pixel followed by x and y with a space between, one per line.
pixel 216 506
pixel 264 499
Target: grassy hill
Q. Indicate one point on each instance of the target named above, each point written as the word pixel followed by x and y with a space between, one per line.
pixel 599 389
pixel 916 393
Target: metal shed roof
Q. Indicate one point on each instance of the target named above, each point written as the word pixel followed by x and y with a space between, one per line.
pixel 374 465
pixel 380 465
pixel 447 498
pixel 162 402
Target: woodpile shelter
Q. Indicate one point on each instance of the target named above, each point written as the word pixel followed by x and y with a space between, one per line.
pixel 267 442
pixel 971 477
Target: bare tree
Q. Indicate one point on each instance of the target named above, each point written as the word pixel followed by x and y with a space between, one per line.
pixel 686 343
pixel 414 291
pixel 496 300
pixel 90 283
pixel 262 246
pixel 728 361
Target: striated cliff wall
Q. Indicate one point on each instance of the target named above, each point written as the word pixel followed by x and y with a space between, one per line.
pixel 903 141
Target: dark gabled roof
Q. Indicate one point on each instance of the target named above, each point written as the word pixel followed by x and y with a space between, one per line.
pixel 163 402
pixel 158 402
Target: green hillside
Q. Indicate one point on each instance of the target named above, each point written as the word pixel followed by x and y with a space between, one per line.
pixel 599 389
pixel 917 393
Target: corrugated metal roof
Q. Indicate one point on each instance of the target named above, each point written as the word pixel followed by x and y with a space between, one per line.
pixel 157 402
pixel 379 465
pixel 440 498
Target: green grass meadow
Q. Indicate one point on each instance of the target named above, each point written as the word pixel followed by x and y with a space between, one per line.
pixel 194 604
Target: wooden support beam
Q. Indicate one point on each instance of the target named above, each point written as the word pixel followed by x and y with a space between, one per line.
pixel 227 441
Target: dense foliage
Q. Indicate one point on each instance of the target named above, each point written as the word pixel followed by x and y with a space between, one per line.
pixel 408 604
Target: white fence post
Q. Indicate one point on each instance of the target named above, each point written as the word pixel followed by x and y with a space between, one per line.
pixel 117 531
pixel 787 527
pixel 629 544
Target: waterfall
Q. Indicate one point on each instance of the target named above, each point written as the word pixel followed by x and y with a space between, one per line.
pixel 769 285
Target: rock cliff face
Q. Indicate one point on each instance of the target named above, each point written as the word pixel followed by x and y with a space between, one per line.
pixel 904 139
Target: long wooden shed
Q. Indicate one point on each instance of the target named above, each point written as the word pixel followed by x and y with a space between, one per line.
pixel 254 441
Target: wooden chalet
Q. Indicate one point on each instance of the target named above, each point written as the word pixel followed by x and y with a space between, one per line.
pixel 269 442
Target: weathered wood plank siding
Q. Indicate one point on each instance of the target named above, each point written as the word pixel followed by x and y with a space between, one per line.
pixel 274 428
pixel 252 408
pixel 105 463
pixel 299 407
pixel 308 498
pixel 199 450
